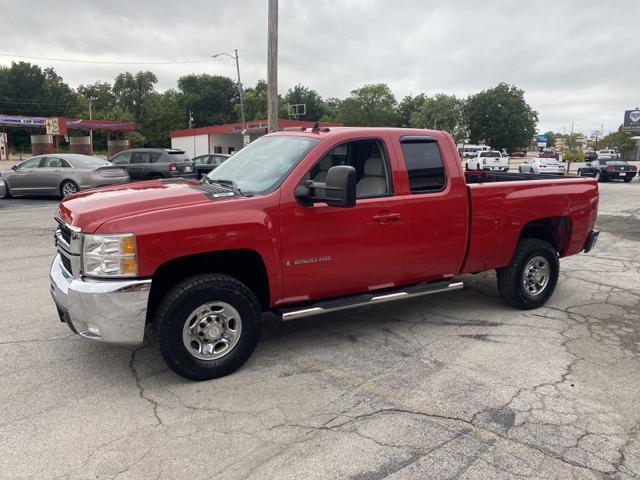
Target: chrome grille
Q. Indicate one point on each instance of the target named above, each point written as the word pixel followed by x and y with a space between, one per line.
pixel 65 233
pixel 66 262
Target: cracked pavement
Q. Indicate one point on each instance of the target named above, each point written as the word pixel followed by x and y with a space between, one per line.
pixel 456 386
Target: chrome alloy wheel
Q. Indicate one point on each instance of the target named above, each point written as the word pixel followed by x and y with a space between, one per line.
pixel 535 276
pixel 68 189
pixel 212 330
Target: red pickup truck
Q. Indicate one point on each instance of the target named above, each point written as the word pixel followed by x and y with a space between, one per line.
pixel 302 223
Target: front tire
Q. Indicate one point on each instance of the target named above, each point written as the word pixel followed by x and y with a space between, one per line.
pixel 207 326
pixel 68 187
pixel 531 277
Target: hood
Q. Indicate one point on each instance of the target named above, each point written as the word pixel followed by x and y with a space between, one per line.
pixel 90 209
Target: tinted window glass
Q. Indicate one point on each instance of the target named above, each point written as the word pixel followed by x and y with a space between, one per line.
pixel 178 157
pixel 140 157
pixel 156 157
pixel 424 166
pixel 201 160
pixel 121 158
pixel 31 163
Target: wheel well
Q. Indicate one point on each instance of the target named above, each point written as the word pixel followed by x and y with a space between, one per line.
pixel 244 265
pixel 555 230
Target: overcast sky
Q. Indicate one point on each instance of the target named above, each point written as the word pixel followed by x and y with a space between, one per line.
pixel 577 60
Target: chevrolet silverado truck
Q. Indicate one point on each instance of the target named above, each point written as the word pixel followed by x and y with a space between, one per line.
pixel 301 223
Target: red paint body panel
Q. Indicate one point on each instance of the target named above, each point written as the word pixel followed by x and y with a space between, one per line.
pixel 319 252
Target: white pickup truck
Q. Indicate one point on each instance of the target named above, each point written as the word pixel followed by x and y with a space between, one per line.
pixel 491 160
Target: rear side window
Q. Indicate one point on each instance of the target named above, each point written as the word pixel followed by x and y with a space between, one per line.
pixel 179 157
pixel 424 165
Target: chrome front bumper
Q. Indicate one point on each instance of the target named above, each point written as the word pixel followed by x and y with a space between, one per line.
pixel 110 311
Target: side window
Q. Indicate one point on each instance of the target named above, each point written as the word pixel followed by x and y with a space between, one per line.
pixel 424 165
pixel 155 157
pixel 369 159
pixel 201 160
pixel 31 163
pixel 64 163
pixel 140 157
pixel 121 158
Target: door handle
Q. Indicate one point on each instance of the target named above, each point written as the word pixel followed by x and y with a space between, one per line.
pixel 386 217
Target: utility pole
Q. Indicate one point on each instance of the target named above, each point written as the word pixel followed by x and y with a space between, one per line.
pixel 90 130
pixel 239 87
pixel 237 59
pixel 272 67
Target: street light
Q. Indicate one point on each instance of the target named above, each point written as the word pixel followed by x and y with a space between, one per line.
pixel 235 57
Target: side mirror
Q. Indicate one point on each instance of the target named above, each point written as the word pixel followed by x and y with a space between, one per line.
pixel 338 191
pixel 14 168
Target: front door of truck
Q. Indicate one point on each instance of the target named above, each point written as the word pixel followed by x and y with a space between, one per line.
pixel 329 251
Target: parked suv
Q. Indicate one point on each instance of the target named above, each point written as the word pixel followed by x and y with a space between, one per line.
pixel 150 163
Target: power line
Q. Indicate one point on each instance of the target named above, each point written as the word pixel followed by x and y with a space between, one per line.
pixel 104 62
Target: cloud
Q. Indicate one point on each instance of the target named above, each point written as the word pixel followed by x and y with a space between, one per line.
pixel 576 60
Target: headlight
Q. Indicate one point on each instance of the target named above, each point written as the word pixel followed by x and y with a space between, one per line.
pixel 109 255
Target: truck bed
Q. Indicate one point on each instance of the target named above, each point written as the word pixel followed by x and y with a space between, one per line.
pixel 504 205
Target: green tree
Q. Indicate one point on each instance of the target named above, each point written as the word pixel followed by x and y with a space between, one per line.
pixel 99 94
pixel 211 98
pixel 620 140
pixel 442 112
pixel 500 117
pixel 369 106
pixel 551 142
pixel 163 113
pixel 131 91
pixel 331 108
pixel 315 108
pixel 409 106
pixel 26 89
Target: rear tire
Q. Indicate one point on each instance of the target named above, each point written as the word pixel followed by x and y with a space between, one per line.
pixel 68 187
pixel 598 176
pixel 156 176
pixel 189 313
pixel 531 277
pixel 627 179
pixel 7 193
pixel 579 172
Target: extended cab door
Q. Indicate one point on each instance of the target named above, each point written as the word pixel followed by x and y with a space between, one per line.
pixel 329 251
pixel 436 204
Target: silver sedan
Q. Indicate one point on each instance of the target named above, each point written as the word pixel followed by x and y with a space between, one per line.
pixel 542 165
pixel 60 174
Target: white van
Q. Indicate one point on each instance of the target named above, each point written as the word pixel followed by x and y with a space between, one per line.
pixel 469 150
pixel 488 160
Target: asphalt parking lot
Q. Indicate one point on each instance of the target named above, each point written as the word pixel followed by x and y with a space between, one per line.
pixel 451 386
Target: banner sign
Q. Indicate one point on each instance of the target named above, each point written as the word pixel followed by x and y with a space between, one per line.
pixel 631 120
pixel 542 138
pixel 20 121
pixel 53 126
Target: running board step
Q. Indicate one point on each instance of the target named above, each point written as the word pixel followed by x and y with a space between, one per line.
pixel 344 303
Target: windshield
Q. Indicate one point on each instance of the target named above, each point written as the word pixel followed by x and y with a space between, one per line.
pixel 613 162
pixel 262 165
